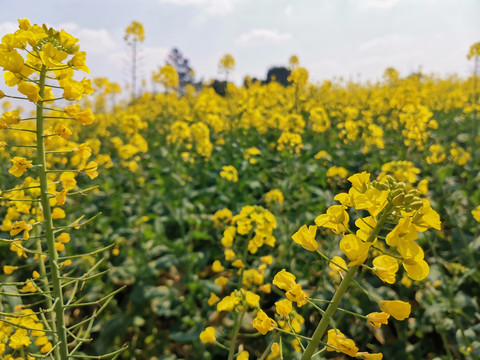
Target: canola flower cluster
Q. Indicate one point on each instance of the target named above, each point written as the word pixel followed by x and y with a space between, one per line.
pixel 393 213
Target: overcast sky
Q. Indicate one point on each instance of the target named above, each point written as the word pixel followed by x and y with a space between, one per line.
pixel 356 39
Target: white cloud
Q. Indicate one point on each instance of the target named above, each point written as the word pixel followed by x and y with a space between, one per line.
pixel 92 41
pixel 258 37
pixel 210 7
pixel 288 11
pixel 379 4
pixel 382 42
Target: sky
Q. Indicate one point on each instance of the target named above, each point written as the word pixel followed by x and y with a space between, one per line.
pixel 352 39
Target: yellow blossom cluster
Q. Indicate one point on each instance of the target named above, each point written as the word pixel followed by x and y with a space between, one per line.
pixel 21 330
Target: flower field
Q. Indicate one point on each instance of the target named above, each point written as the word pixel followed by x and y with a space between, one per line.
pixel 331 220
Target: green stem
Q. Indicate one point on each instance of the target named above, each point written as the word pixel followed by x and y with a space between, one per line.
pixel 331 309
pixel 61 351
pixel 233 343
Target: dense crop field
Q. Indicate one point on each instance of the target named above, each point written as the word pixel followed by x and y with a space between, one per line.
pixel 206 226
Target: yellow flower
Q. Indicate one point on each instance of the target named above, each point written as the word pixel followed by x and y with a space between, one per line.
pixel 238 264
pixel 31 91
pixel 10 117
pixel 228 236
pixel 229 173
pixel 426 218
pixel 59 246
pixel 369 356
pixel 227 63
pixel 72 90
pixel 91 170
pixel 284 280
pixel 229 254
pixel 417 268
pixel 274 196
pixel 63 131
pixel 11 61
pixel 298 295
pixel 63 238
pixel 385 267
pixel 377 318
pixel 19 339
pixel 51 57
pixel 217 266
pixel 306 237
pixel 266 259
pixel 252 299
pixel 336 218
pixel 341 343
pixel 58 213
pixel 212 300
pixel 337 264
pixel 221 281
pixel 337 171
pixel 263 323
pixel 167 76
pixel 135 32
pixel 29 287
pixel 68 180
pixel 355 249
pixel 228 303
pixel 400 310
pixel 476 213
pixel 61 197
pixel 404 232
pixel 7 269
pixel 19 226
pixel 20 165
pixel 274 351
pixel 208 335
pixel 244 355
pixel 222 216
pixel 46 348
pixel 283 307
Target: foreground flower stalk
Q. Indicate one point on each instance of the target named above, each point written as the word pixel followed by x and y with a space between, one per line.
pixel 34 59
pixel 333 306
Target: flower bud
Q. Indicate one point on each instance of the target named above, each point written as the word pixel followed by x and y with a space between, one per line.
pixel 397 192
pixel 415 192
pixel 409 198
pixel 2 94
pixel 399 199
pixel 390 180
pixel 416 205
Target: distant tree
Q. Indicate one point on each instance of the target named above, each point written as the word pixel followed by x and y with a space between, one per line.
pixel 220 87
pixel 185 72
pixel 279 74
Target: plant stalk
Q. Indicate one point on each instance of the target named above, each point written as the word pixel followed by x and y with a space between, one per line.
pixel 61 351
